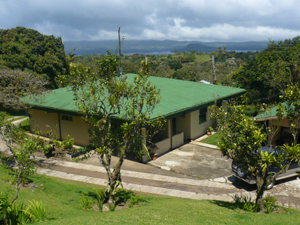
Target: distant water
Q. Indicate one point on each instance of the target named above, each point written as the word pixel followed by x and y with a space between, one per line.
pixel 243 50
pixel 171 53
pixel 151 53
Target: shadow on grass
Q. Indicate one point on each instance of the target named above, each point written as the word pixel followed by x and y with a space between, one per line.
pixel 228 205
pixel 122 196
pixel 91 194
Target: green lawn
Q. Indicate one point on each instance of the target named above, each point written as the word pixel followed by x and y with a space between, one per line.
pixel 61 199
pixel 10 114
pixel 19 118
pixel 213 139
pixel 201 58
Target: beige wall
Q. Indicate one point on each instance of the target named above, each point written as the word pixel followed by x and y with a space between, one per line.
pixel 163 146
pixel 196 128
pixel 77 128
pixel 183 124
pixel 177 140
pixel 40 119
pixel 282 123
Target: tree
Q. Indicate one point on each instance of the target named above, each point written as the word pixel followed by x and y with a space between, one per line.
pixel 242 141
pixel 15 84
pixel 22 48
pixel 181 75
pixel 175 64
pixel 21 148
pixel 272 70
pixel 290 109
pixel 118 110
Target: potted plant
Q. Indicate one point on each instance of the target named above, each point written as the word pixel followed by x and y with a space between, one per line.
pixel 209 131
pixel 152 151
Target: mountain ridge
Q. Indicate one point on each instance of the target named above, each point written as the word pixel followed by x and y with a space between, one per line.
pixel 150 46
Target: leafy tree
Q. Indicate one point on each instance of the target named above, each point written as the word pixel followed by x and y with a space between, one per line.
pixel 242 141
pixel 22 48
pixel 102 97
pixel 290 109
pixel 181 75
pixel 21 148
pixel 188 58
pixel 175 64
pixel 272 70
pixel 15 84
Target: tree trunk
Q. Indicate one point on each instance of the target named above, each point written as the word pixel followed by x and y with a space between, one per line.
pixel 261 183
pixel 114 181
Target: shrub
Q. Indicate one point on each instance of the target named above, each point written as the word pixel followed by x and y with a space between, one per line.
pixel 101 198
pixel 112 207
pixel 67 144
pixel 47 148
pixel 134 200
pixel 81 150
pixel 36 211
pixel 85 202
pixel 270 203
pixel 25 125
pixel 244 202
pixel 13 213
pixel 210 129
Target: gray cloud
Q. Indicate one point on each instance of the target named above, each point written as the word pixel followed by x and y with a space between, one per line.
pixel 202 20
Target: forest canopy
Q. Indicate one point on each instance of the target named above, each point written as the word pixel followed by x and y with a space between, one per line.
pixel 268 74
pixel 23 48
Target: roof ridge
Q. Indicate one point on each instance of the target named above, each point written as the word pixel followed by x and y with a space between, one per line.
pixel 191 82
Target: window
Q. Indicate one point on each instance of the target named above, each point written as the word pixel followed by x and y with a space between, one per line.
pixel 67 118
pixel 202 115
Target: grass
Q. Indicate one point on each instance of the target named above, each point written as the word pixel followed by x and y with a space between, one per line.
pixel 202 58
pixel 19 118
pixel 11 114
pixel 62 202
pixel 213 139
pixel 25 122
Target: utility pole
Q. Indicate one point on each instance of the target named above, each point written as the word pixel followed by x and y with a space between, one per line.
pixel 214 69
pixel 119 48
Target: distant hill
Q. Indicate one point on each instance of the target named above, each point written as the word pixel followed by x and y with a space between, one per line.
pixel 198 48
pixel 150 46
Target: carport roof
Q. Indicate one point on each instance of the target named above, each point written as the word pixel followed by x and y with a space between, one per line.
pixel 178 97
pixel 270 114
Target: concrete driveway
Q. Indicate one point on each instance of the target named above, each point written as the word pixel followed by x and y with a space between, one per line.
pixel 195 159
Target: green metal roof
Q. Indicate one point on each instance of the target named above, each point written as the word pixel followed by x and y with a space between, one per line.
pixel 270 114
pixel 178 97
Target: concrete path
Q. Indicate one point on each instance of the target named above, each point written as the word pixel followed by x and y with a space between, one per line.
pixel 139 181
pixel 197 160
pixel 288 193
pixel 150 179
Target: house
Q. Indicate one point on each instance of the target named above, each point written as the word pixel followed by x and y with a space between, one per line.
pixel 183 103
pixel 283 134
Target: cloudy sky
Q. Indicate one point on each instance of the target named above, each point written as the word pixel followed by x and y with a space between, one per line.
pixel 201 20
